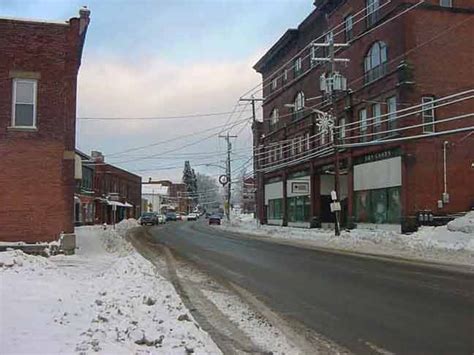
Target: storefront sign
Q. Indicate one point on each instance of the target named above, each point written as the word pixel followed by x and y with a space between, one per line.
pixel 299 187
pixel 378 156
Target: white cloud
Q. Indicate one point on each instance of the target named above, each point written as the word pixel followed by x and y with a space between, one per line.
pixel 110 87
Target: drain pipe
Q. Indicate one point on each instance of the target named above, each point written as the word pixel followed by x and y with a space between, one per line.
pixel 445 194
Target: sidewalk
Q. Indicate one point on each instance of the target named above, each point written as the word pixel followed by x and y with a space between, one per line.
pixel 451 244
pixel 107 298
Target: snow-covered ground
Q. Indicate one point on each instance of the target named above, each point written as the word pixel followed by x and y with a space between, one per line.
pixel 453 243
pixel 106 298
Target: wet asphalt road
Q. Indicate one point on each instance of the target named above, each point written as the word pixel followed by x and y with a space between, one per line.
pixel 366 305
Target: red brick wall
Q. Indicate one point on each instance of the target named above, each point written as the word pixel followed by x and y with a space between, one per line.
pixel 36 174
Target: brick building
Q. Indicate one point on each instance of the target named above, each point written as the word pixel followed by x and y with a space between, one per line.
pixel 117 192
pixel 248 195
pixel 403 128
pixel 84 196
pixel 39 65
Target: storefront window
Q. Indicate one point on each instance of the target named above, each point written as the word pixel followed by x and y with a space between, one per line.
pixel 378 206
pixel 298 209
pixel 275 209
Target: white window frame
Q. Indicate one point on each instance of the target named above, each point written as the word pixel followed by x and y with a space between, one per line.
pixel 392 113
pixel 14 103
pixel 298 66
pixel 446 3
pixel 308 143
pixel 428 113
pixel 376 116
pixel 275 116
pixel 363 122
pixel 349 27
pixel 342 128
pixel 274 83
pixel 323 136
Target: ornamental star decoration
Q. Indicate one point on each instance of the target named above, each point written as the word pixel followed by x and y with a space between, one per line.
pixel 325 122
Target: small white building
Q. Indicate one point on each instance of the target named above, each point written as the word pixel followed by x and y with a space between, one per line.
pixel 156 195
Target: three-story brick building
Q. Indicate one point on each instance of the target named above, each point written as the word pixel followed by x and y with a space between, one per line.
pixel 39 64
pixel 403 128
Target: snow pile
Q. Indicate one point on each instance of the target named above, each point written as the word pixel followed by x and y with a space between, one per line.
pixel 463 224
pixel 107 298
pixel 453 243
pixel 17 258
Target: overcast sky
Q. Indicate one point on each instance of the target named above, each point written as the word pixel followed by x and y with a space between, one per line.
pixel 154 58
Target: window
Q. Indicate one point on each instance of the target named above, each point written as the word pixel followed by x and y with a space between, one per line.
pixel 375 62
pixel 312 57
pixel 373 7
pixel 274 84
pixel 280 151
pixel 446 3
pixel 285 75
pixel 323 136
pixel 342 129
pixel 298 106
pixel 348 27
pixel 297 67
pixel 391 110
pixel 363 123
pixel 24 103
pixel 328 39
pixel 275 117
pixel 428 114
pixel 376 112
pixel 293 147
pixel 308 143
pixel 275 209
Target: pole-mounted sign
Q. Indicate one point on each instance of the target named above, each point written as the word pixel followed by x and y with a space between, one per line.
pixel 223 179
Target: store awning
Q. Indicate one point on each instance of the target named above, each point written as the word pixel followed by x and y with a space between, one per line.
pixel 115 203
pixel 128 205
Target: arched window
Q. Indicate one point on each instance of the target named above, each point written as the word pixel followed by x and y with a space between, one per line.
pixel 298 105
pixel 274 117
pixel 375 62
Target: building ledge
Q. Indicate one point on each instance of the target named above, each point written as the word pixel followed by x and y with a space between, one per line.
pixel 22 129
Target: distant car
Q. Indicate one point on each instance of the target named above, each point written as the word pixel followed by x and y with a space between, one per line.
pixel 171 216
pixel 149 218
pixel 215 219
pixel 161 219
pixel 207 215
pixel 192 217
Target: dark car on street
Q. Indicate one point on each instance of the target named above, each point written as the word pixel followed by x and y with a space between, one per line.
pixel 149 218
pixel 171 216
pixel 214 219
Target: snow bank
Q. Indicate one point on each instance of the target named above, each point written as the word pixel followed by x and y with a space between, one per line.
pixel 107 298
pixel 452 243
pixel 463 224
pixel 17 258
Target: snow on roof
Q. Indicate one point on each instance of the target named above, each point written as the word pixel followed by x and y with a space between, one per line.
pixel 154 189
pixel 22 19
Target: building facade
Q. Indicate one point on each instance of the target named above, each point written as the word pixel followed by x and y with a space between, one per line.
pixel 248 195
pixel 396 143
pixel 117 192
pixel 39 65
pixel 84 196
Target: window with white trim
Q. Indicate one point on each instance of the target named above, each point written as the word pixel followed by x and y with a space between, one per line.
pixel 391 111
pixel 428 114
pixel 446 3
pixel 24 103
pixel 275 117
pixel 312 57
pixel 298 109
pixel 375 62
pixel 293 146
pixel 274 84
pixel 373 8
pixel 376 113
pixel 308 143
pixel 297 67
pixel 363 123
pixel 323 136
pixel 349 27
pixel 285 75
pixel 342 129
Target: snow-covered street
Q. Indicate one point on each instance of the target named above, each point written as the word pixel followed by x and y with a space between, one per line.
pixel 106 298
pixel 453 243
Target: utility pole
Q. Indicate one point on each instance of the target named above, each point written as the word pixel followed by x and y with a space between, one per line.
pixel 228 172
pixel 331 85
pixel 257 175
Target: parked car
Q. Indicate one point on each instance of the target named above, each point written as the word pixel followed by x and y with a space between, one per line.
pixel 161 219
pixel 192 217
pixel 215 219
pixel 149 218
pixel 171 216
pixel 181 216
pixel 207 215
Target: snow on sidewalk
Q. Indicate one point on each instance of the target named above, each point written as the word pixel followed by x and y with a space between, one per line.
pixel 107 298
pixel 453 243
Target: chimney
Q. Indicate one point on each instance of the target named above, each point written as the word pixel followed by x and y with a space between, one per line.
pixel 97 156
pixel 84 14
